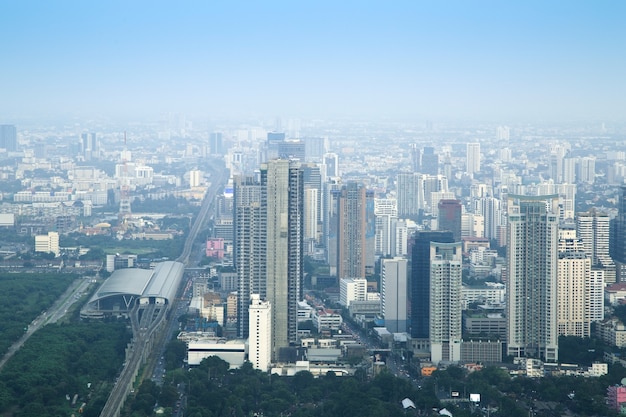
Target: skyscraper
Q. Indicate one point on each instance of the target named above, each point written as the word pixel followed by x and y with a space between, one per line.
pixel 472 158
pixel 8 138
pixel 430 161
pixel 410 189
pixel 283 196
pixel 394 294
pixel 449 217
pixel 445 324
pixel 594 229
pixel 574 275
pixel 216 143
pixel 618 236
pixel 249 249
pixel 351 243
pixel 532 262
pixel 420 281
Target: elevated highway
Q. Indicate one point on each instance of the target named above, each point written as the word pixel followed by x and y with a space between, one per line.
pixel 149 321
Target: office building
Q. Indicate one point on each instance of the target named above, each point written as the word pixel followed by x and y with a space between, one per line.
pixel 260 333
pixel 446 322
pixel 351 242
pixel 283 188
pixel 532 268
pixel 394 294
pixel 420 280
pixel 472 165
pixel 48 243
pixel 352 289
pixel 449 217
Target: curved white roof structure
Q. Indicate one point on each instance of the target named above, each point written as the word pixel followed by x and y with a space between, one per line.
pixel 125 287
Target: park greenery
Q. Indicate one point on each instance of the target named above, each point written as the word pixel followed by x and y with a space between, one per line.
pixel 63 369
pixel 25 296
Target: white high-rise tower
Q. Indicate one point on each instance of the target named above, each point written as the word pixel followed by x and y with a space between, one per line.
pixel 532 259
pixel 260 333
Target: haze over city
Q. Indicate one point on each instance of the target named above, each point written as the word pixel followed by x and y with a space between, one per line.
pixel 312 209
pixel 455 60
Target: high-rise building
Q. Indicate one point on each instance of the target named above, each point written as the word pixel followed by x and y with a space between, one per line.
pixel 393 294
pixel 352 289
pixel 351 242
pixel 449 217
pixel 490 208
pixel 472 165
pixel 315 148
pixel 430 161
pixel 195 178
pixel 260 333
pixel 503 134
pixel 330 223
pixel 249 248
pixel 410 190
pixel 574 275
pixel 283 197
pixel 420 280
pixel 587 169
pixel 8 138
pixel 532 268
pixel 216 143
pixel 416 158
pixel 445 323
pixel 331 166
pixel 618 236
pixel 594 229
pixel 313 205
pixel 386 211
pixel 435 189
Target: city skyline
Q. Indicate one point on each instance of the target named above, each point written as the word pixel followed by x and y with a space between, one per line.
pixel 413 60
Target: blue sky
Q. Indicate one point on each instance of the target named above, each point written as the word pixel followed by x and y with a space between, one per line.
pixel 484 60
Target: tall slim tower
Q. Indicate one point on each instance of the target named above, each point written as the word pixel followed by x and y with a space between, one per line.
pixel 446 270
pixel 618 236
pixel 420 281
pixel 532 259
pixel 351 243
pixel 249 248
pixel 410 189
pixel 283 189
pixel 574 277
pixel 394 294
pixel 473 158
